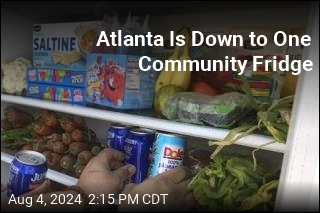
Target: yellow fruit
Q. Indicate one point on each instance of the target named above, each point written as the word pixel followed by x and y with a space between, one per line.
pixel 183 77
pixel 166 76
pixel 289 85
pixel 163 94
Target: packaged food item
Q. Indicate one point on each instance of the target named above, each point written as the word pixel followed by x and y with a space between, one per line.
pixel 63 77
pixel 116 81
pixel 51 92
pixel 218 111
pixel 63 45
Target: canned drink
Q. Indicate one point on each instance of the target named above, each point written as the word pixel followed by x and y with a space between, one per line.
pixel 137 152
pixel 167 153
pixel 116 136
pixel 27 171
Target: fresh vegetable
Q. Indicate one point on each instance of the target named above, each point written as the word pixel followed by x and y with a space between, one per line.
pixel 78 168
pixel 5 124
pixel 39 146
pixel 67 124
pixel 79 122
pixel 79 135
pixel 13 76
pixel 54 159
pixel 26 147
pixel 66 138
pixel 228 182
pixel 42 130
pixel 50 119
pixel 59 147
pixel 96 149
pixel 17 117
pixel 67 162
pixel 204 88
pixel 76 147
pixel 84 157
pixel 54 137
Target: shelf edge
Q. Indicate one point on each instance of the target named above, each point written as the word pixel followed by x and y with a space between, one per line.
pixel 210 133
pixel 51 174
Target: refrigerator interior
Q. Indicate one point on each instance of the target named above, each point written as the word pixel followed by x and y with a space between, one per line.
pixel 16 40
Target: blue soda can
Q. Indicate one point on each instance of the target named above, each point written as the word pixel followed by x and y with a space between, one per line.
pixel 167 153
pixel 27 171
pixel 137 152
pixel 116 136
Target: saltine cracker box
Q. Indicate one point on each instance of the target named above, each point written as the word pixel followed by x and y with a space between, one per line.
pixel 116 81
pixel 63 45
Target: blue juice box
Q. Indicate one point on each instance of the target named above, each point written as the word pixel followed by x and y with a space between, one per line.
pixel 51 92
pixel 117 81
pixel 62 77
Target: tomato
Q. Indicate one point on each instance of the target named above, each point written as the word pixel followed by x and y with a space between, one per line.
pixel 204 88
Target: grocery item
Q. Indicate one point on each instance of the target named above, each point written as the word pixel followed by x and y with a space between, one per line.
pixel 116 81
pixel 167 153
pixel 137 151
pixel 13 76
pixel 230 183
pixel 218 111
pixel 181 76
pixel 65 77
pixel 51 92
pixel 63 45
pixel 163 94
pixel 204 88
pixel 27 171
pixel 116 136
pixel 289 85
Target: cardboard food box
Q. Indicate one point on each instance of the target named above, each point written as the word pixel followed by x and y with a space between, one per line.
pixel 63 45
pixel 116 81
pixel 51 92
pixel 62 77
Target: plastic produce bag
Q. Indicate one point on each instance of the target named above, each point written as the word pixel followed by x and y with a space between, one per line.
pixel 218 111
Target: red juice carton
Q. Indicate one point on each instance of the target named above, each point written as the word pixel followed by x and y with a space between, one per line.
pixel 116 81
pixel 51 92
pixel 63 77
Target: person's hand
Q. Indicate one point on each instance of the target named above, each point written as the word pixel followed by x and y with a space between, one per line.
pixel 174 183
pixel 105 174
pixel 43 188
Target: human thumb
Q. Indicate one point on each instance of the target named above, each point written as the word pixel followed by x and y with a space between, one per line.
pixel 125 172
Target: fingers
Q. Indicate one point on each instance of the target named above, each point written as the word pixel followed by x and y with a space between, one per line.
pixel 177 174
pixel 125 172
pixel 128 188
pixel 43 188
pixel 107 157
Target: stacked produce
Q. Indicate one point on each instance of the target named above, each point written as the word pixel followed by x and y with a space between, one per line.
pixel 66 141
